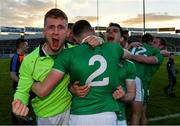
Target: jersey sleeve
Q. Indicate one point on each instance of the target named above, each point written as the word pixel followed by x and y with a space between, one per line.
pixel 131 71
pixel 13 64
pixel 25 82
pixel 159 58
pixel 61 62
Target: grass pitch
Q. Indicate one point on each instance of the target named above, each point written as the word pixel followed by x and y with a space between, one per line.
pixel 159 105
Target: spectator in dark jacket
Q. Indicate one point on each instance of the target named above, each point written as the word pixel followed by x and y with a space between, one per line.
pixel 172 71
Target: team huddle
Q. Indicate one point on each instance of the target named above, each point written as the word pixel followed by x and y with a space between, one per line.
pixel 89 83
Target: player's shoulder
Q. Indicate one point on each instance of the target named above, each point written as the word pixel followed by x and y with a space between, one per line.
pixel 33 55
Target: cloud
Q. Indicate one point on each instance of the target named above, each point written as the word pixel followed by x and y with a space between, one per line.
pixel 91 19
pixel 150 17
pixel 23 13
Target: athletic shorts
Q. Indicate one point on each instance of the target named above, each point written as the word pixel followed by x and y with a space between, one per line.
pixel 121 123
pixel 139 90
pixel 60 119
pixel 104 118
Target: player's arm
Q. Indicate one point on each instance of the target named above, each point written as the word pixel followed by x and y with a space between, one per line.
pixel 145 59
pixel 19 108
pixel 119 93
pixel 42 89
pixel 130 83
pixel 61 63
pixel 130 91
pixel 80 91
pixel 14 77
pixel 93 40
pixel 165 53
pixel 21 96
pixel 127 54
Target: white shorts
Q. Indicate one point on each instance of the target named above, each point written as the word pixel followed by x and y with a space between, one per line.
pixel 60 119
pixel 122 123
pixel 139 90
pixel 105 118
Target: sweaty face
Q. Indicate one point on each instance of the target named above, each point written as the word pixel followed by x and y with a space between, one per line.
pixel 113 34
pixel 55 32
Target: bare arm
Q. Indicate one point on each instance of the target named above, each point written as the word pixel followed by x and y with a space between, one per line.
pixel 14 77
pixel 42 89
pixel 145 59
pixel 94 41
pixel 119 93
pixel 80 91
pixel 19 108
pixel 127 55
pixel 130 91
pixel 165 53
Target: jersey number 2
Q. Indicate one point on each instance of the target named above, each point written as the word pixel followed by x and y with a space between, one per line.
pixel 99 71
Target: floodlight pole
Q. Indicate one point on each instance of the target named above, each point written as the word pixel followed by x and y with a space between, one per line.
pixel 98 17
pixel 55 3
pixel 144 17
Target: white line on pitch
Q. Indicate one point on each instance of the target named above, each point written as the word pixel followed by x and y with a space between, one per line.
pixel 163 117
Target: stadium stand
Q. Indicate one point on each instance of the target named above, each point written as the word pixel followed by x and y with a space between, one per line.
pixel 8 47
pixel 8 43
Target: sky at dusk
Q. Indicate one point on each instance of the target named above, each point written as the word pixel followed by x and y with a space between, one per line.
pixel 128 13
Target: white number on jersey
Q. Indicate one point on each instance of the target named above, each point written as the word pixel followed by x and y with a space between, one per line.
pixel 140 51
pixel 99 71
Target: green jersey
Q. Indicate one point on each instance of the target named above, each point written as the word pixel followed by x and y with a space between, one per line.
pixel 150 70
pixel 96 67
pixel 127 72
pixel 35 67
pixel 145 50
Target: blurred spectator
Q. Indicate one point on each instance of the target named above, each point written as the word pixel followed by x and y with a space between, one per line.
pixel 21 46
pixel 172 71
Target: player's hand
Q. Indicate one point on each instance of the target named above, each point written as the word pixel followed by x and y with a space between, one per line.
pixel 165 53
pixel 19 108
pixel 135 44
pixel 94 41
pixel 119 93
pixel 78 90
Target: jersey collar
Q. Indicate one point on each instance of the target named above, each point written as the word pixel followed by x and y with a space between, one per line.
pixel 42 51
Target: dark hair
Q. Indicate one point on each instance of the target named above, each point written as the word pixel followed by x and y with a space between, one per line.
pixel 125 32
pixel 146 38
pixel 125 37
pixel 55 13
pixel 80 27
pixel 70 25
pixel 116 25
pixel 19 42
